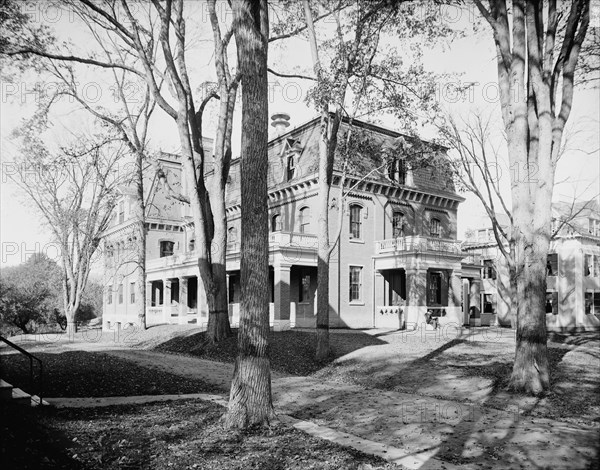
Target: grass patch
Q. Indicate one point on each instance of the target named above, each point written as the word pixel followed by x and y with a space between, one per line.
pixel 177 435
pixel 87 374
pixel 291 352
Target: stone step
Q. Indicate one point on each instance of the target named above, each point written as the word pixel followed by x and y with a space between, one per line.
pixel 5 390
pixel 20 397
pixel 35 401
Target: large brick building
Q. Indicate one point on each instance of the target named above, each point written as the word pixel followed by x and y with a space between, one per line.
pixel 397 257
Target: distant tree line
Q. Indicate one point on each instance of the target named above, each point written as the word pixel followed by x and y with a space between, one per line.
pixel 31 297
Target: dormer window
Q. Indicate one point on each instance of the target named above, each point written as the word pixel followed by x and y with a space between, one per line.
pixel 397 170
pixel 291 167
pixel 166 248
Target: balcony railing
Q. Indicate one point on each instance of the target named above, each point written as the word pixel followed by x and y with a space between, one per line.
pixel 418 244
pixel 279 239
pixel 296 240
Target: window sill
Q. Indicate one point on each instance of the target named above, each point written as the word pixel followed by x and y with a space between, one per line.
pixel 356 240
pixel 357 303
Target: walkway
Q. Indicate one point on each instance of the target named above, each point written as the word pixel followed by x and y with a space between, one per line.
pixel 412 430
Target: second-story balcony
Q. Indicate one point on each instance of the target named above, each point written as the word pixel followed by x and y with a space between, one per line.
pixel 417 243
pixel 277 240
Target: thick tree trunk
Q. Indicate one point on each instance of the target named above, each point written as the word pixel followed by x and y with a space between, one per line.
pixel 218 302
pixel 71 314
pixel 530 370
pixel 322 349
pixel 250 400
pixel 218 307
pixel 324 250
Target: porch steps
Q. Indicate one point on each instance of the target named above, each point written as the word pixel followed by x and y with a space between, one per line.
pixel 18 396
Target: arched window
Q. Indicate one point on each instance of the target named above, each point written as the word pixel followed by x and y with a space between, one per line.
pixel 231 236
pixel 355 221
pixel 435 229
pixel 397 224
pixel 276 223
pixel 304 220
pixel 166 248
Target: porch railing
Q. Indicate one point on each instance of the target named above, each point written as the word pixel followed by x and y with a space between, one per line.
pixel 31 359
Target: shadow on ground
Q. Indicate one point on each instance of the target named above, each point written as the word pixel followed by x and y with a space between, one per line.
pixel 291 352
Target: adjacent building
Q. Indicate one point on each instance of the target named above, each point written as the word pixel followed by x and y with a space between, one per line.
pixel 573 270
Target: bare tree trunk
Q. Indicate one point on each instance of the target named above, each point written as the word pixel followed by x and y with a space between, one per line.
pixel 250 399
pixel 530 370
pixel 218 306
pixel 141 240
pixel 324 250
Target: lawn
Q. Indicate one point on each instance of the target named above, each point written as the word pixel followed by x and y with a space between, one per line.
pixel 176 435
pixel 85 374
pixel 291 352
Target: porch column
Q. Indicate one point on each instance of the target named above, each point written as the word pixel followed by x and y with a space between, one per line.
pixel 148 296
pixel 416 305
pixel 454 313
pixel 475 302
pixel 148 301
pixel 183 307
pixel 466 289
pixel 282 297
pixel 166 300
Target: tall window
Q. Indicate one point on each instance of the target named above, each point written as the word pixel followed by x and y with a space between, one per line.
pixel 276 223
pixel 166 248
pixel 489 303
pixel 291 167
pixel 397 170
pixel 305 220
pixel 355 221
pixel 434 293
pixel 435 229
pixel 109 295
pixel 552 264
pixel 132 292
pixel 592 303
pixel 304 292
pixel 355 283
pixel 120 293
pixel 489 272
pixel 192 245
pixel 398 224
pixel 594 227
pixel 231 236
pixel 121 212
pixel 552 302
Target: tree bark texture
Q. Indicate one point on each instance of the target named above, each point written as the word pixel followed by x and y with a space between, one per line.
pixel 250 400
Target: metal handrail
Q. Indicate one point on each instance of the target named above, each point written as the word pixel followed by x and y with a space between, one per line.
pixel 31 359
